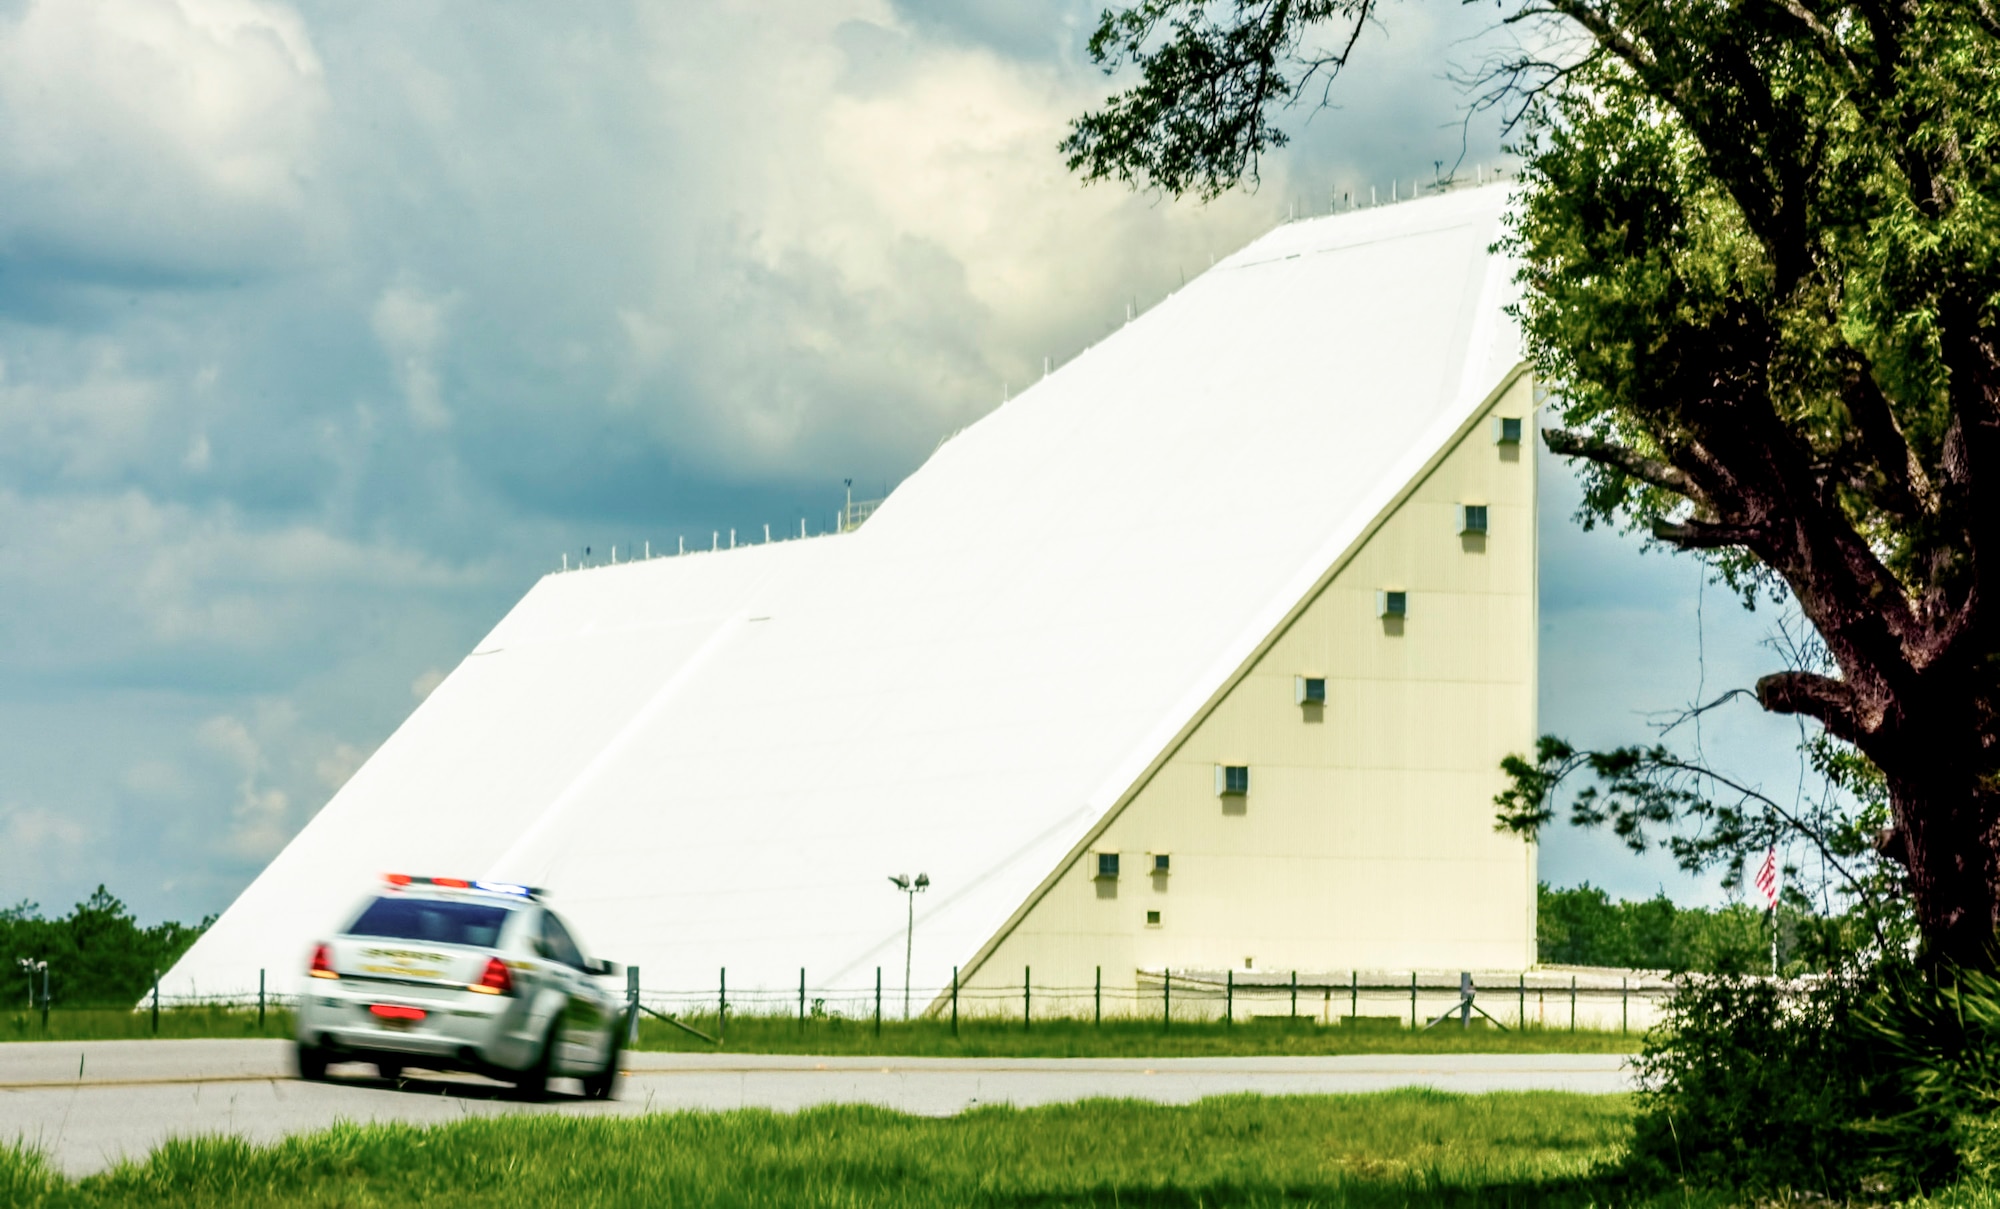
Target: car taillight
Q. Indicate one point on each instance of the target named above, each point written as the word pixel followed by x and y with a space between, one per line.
pixel 497 980
pixel 322 962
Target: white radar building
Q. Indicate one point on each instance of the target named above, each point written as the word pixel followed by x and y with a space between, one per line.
pixel 1202 652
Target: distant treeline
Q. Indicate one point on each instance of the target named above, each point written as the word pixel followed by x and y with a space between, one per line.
pixel 98 954
pixel 1584 926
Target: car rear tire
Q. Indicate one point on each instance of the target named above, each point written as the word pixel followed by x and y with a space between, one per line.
pixel 604 1084
pixel 533 1084
pixel 311 1061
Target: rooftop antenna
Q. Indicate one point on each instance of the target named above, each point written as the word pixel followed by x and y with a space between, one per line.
pixel 767 535
pixel 1045 366
pixel 732 539
pixel 684 544
pixel 1371 195
pixel 714 540
pixel 565 560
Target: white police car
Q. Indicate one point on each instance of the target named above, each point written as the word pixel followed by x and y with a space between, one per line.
pixel 449 974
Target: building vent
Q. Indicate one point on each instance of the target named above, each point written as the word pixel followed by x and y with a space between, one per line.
pixel 1160 862
pixel 1309 690
pixel 1152 919
pixel 1506 430
pixel 1232 779
pixel 1107 864
pixel 1472 518
pixel 1392 604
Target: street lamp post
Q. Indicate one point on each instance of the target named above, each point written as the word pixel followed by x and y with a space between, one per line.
pixel 31 967
pixel 910 891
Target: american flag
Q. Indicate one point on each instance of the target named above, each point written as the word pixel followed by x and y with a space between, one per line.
pixel 1767 879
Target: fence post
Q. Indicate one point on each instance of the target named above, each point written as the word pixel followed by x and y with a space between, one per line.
pixel 1354 994
pixel 1027 998
pixel 260 1001
pixel 1522 1009
pixel 1295 994
pixel 722 1007
pixel 878 1001
pixel 631 1005
pixel 1166 999
pixel 1229 996
pixel 1097 999
pixel 802 998
pixel 954 1001
pixel 156 1001
pixel 45 997
pixel 1465 999
pixel 1572 1003
pixel 1624 1004
pixel 1413 999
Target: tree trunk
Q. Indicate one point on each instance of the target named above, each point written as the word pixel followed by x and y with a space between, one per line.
pixel 1947 837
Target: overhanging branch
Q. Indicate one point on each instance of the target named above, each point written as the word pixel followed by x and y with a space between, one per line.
pixel 1619 457
pixel 1831 701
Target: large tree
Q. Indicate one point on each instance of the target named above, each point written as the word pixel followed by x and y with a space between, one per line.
pixel 1762 261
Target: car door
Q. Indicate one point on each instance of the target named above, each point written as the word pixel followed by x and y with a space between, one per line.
pixel 583 1019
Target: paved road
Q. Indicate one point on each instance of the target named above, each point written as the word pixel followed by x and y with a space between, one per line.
pixel 89 1104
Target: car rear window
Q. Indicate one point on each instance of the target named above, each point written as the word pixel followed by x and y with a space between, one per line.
pixel 439 921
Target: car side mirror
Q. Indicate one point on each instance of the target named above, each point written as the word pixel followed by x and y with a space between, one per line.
pixel 602 968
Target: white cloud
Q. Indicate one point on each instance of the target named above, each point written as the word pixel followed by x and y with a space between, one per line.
pixel 410 324
pixel 96 426
pixel 145 137
pixel 426 684
pixel 879 248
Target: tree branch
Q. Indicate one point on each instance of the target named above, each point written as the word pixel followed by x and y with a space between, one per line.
pixel 1572 444
pixel 1832 702
pixel 1706 535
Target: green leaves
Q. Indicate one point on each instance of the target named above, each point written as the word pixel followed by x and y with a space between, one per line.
pixel 1198 119
pixel 98 954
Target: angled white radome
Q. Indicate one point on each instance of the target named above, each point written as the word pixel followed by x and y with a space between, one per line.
pixel 714 760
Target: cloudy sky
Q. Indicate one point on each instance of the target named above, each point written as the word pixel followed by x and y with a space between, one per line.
pixel 326 328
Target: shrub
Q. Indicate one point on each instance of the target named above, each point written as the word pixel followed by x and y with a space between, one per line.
pixel 1762 1086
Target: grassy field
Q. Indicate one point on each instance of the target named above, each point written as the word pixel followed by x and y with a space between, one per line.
pixel 117 1024
pixel 1054 1038
pixel 1391 1149
pixel 1058 1038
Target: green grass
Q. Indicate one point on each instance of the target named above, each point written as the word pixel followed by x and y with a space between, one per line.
pixel 988 1038
pixel 117 1024
pixel 1389 1149
pixel 1121 1038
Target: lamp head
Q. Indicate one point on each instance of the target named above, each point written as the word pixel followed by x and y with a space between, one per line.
pixel 923 881
pixel 902 880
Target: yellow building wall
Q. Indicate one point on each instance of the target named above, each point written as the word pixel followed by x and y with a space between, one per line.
pixel 1366 839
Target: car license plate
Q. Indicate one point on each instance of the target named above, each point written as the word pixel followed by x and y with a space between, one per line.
pixel 395 1015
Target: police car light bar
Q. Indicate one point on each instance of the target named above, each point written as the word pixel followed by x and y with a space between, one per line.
pixel 510 889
